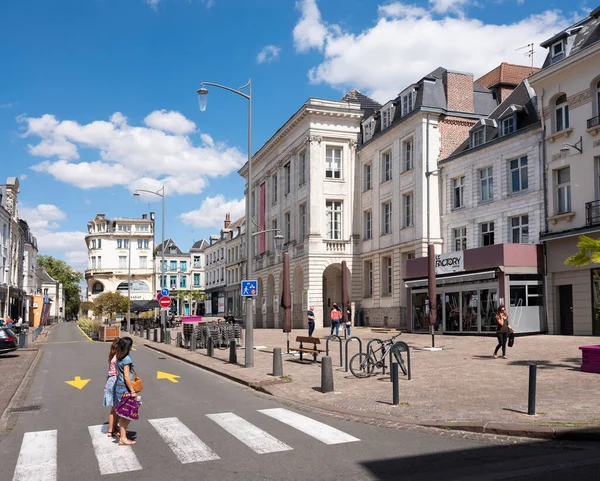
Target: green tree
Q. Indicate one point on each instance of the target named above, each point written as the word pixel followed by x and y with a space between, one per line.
pixel 70 278
pixel 109 304
pixel 589 252
pixel 87 306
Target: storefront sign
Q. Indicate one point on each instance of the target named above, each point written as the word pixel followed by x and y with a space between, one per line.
pixel 449 263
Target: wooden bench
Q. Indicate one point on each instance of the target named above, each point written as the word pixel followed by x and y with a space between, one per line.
pixel 308 340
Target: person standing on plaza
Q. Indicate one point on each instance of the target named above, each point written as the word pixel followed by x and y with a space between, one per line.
pixel 502 331
pixel 335 316
pixel 349 321
pixel 109 387
pixel 125 396
pixel 311 320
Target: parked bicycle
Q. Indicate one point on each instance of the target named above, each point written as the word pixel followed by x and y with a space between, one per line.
pixel 363 364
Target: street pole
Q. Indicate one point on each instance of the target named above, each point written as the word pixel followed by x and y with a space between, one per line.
pixel 163 312
pixel 431 278
pixel 129 284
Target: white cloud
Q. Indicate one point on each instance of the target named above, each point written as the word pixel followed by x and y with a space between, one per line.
pixel 170 121
pixel 153 3
pixel 212 212
pixel 23 177
pixel 268 54
pixel 445 6
pixel 7 105
pixel 42 217
pixel 161 151
pixel 310 31
pixel 78 260
pixel 407 42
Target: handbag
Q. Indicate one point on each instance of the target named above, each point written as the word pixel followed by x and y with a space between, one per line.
pixel 137 383
pixel 511 339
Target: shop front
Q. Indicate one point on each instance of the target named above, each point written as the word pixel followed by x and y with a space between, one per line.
pixel 471 284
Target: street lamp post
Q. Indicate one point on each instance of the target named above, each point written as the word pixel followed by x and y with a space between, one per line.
pixel 129 283
pixel 202 99
pixel 163 313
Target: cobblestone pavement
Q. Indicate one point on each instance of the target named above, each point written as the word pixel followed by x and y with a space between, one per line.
pixel 460 385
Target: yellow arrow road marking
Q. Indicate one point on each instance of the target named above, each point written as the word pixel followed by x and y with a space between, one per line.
pixel 78 382
pixel 166 375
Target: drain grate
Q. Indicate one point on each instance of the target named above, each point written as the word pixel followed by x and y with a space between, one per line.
pixel 25 409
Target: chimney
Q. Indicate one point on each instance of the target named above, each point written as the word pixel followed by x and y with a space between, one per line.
pixel 144 216
pixel 100 216
pixel 459 91
pixel 227 221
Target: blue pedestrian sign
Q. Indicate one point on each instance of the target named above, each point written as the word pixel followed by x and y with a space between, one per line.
pixel 165 292
pixel 249 288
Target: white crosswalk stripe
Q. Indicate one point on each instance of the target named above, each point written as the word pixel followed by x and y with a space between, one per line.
pixel 37 458
pixel 184 443
pixel 309 426
pixel 255 438
pixel 111 457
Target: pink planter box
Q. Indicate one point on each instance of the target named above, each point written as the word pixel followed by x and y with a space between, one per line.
pixel 591 359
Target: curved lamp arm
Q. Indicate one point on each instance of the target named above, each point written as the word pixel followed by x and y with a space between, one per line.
pixel 235 91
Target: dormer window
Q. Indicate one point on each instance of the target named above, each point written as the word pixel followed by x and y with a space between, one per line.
pixel 408 102
pixel 368 128
pixel 387 115
pixel 508 125
pixel 557 49
pixel 477 138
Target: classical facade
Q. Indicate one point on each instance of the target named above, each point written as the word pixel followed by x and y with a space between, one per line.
pixel 5 222
pixel 304 185
pixel 176 276
pixel 215 274
pixel 31 279
pixel 235 266
pixel 569 90
pixel 198 276
pixel 118 247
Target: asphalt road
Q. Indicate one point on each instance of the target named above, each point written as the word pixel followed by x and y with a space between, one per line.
pixel 224 431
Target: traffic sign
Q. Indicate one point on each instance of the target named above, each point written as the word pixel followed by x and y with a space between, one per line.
pixel 249 288
pixel 164 301
pixel 165 291
pixel 158 296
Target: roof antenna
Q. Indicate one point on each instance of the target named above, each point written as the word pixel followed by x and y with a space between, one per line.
pixel 529 52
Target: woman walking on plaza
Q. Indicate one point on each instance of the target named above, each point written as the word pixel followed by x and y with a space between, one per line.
pixel 109 388
pixel 125 398
pixel 336 316
pixel 502 331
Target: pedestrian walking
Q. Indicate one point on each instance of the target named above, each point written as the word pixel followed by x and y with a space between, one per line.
pixel 502 331
pixel 335 316
pixel 311 320
pixel 125 398
pixel 109 388
pixel 349 321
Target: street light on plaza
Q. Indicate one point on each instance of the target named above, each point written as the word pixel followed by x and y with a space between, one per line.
pixel 163 314
pixel 202 100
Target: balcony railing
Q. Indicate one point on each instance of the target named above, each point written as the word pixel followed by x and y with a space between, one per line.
pixel 592 212
pixel 593 122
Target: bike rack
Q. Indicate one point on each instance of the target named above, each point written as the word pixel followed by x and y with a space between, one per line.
pixel 401 344
pixel 359 347
pixel 327 347
pixel 369 346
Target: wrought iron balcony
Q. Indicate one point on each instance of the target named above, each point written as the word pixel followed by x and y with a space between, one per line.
pixel 593 122
pixel 592 213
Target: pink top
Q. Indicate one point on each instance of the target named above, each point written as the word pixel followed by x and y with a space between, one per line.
pixel 112 367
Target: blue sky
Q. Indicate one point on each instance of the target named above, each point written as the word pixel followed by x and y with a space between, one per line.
pixel 98 97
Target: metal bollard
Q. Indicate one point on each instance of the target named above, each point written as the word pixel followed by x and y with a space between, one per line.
pixel 326 374
pixel 155 335
pixel 232 352
pixel 148 333
pixel 277 362
pixel 193 343
pixel 395 393
pixel 167 336
pixel 210 347
pixel 532 388
pixel 179 342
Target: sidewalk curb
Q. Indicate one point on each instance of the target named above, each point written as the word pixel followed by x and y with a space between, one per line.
pixel 487 427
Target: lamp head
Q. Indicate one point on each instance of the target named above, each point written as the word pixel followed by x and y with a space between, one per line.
pixel 136 194
pixel 278 243
pixel 202 98
pixel 565 149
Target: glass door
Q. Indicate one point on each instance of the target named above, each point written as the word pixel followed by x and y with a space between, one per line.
pixel 488 303
pixel 452 311
pixel 470 310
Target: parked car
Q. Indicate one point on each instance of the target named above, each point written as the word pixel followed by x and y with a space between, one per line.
pixel 8 340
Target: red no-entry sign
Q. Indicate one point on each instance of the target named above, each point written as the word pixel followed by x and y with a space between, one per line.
pixel 164 301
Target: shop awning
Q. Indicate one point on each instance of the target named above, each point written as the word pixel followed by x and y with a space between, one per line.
pixel 441 281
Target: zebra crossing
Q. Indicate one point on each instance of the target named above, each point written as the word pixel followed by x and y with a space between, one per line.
pixel 37 459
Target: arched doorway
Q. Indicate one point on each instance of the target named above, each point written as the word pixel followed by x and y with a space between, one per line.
pixel 332 290
pixel 270 319
pixel 298 314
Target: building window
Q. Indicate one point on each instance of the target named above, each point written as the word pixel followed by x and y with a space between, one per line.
pixel 274 229
pixel 386 217
pixel 274 191
pixel 408 210
pixel 557 49
pixel 288 226
pixel 173 282
pixel 142 227
pixel 183 266
pixel 140 243
pixel 119 243
pixel 334 219
pixel 302 218
pixel 459 238
pixel 387 276
pixel 407 154
pixel 486 182
pixel 368 223
pixel 563 189
pixel 476 138
pixel 143 262
pixel 183 282
pixel 173 265
pixel 368 279
pixel 458 198
pixel 561 113
pixel 333 163
pixel 387 116
pixel 519 229
pixel 97 288
pixel 408 102
pixel 598 99
pixel 99 264
pixel 125 227
pixel 287 170
pixel 123 262
pixel 93 243
pixel 386 166
pixel 367 170
pixel 518 174
pixel 487 234
pixel 508 125
pixel 196 261
pixel 368 128
pixel 302 168
pixel 93 262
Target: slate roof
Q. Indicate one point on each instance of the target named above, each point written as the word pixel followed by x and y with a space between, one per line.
pixel 168 244
pixel 506 74
pixel 237 223
pixel 366 103
pixel 578 37
pixel 200 245
pixel 45 277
